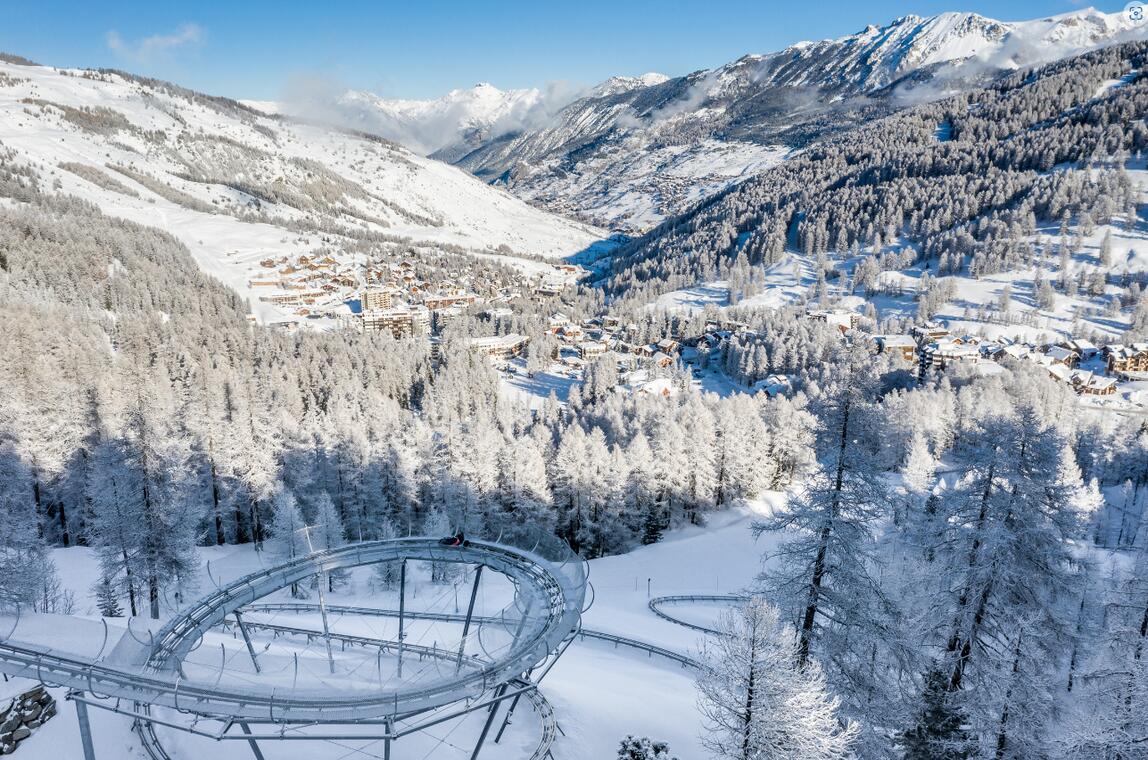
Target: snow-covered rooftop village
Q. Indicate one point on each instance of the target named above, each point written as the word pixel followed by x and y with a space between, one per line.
pixel 747 382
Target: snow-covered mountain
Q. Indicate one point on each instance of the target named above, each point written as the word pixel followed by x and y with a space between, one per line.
pixel 453 124
pixel 878 56
pixel 628 157
pixel 460 116
pixel 238 186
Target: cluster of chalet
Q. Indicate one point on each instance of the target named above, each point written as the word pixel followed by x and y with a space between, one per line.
pixel 320 283
pixel 841 319
pixel 1090 370
pixel 302 282
pixel 398 301
pixel 399 282
pixel 1127 361
pixel 560 277
pixel 582 343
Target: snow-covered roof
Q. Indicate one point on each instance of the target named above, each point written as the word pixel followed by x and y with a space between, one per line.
pixel 499 341
pixel 1123 352
pixel 895 341
pixel 660 386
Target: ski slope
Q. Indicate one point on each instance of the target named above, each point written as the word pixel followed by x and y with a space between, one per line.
pixel 237 186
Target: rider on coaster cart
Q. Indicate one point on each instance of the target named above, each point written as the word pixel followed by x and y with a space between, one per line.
pixel 457 539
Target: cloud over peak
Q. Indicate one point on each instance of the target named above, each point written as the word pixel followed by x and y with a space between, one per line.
pixel 157 46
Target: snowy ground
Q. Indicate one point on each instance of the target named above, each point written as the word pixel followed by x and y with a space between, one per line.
pixel 599 693
pixel 520 388
pixel 784 283
pixel 634 184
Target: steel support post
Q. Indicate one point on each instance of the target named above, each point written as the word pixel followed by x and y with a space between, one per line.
pixel 323 614
pixel 489 720
pixel 522 620
pixel 402 611
pixel 322 600
pixel 254 744
pixel 506 719
pixel 247 641
pixel 85 725
pixel 388 725
pixel 469 615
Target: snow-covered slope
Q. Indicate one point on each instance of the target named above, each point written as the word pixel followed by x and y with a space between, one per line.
pixel 239 186
pixel 878 56
pixel 605 156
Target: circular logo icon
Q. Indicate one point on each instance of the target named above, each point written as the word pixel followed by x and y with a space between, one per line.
pixel 1136 12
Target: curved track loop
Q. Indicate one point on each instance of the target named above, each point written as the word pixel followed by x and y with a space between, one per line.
pixel 155 749
pixel 583 633
pixel 551 589
pixel 657 602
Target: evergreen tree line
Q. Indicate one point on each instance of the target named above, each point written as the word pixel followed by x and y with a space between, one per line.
pixel 950 565
pixel 1041 145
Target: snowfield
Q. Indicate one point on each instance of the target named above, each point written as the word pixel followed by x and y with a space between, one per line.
pixel 635 185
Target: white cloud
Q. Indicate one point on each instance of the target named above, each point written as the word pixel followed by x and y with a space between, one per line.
pixel 149 49
pixel 429 125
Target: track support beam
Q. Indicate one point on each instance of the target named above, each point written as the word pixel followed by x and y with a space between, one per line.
pixel 247 641
pixel 85 724
pixel 513 707
pixel 326 626
pixel 254 744
pixel 489 720
pixel 402 610
pixel 469 615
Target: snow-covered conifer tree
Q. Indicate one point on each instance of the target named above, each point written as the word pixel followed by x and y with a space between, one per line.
pixel 1005 575
pixel 145 525
pixel 328 533
pixel 437 525
pixel 385 575
pixel 633 748
pixel 524 493
pixel 761 700
pixel 288 530
pixel 26 568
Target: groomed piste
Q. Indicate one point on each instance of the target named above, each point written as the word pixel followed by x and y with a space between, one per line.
pixel 489 661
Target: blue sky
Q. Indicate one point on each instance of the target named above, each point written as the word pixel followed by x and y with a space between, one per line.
pixel 422 48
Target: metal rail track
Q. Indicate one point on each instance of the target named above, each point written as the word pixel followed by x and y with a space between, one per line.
pixel 656 603
pixel 583 633
pixel 549 733
pixel 554 599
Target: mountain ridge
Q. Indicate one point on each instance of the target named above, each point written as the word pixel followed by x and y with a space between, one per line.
pixel 760 105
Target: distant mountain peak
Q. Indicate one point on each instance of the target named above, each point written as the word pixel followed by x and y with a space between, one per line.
pixel 879 55
pixel 631 152
pixel 619 84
